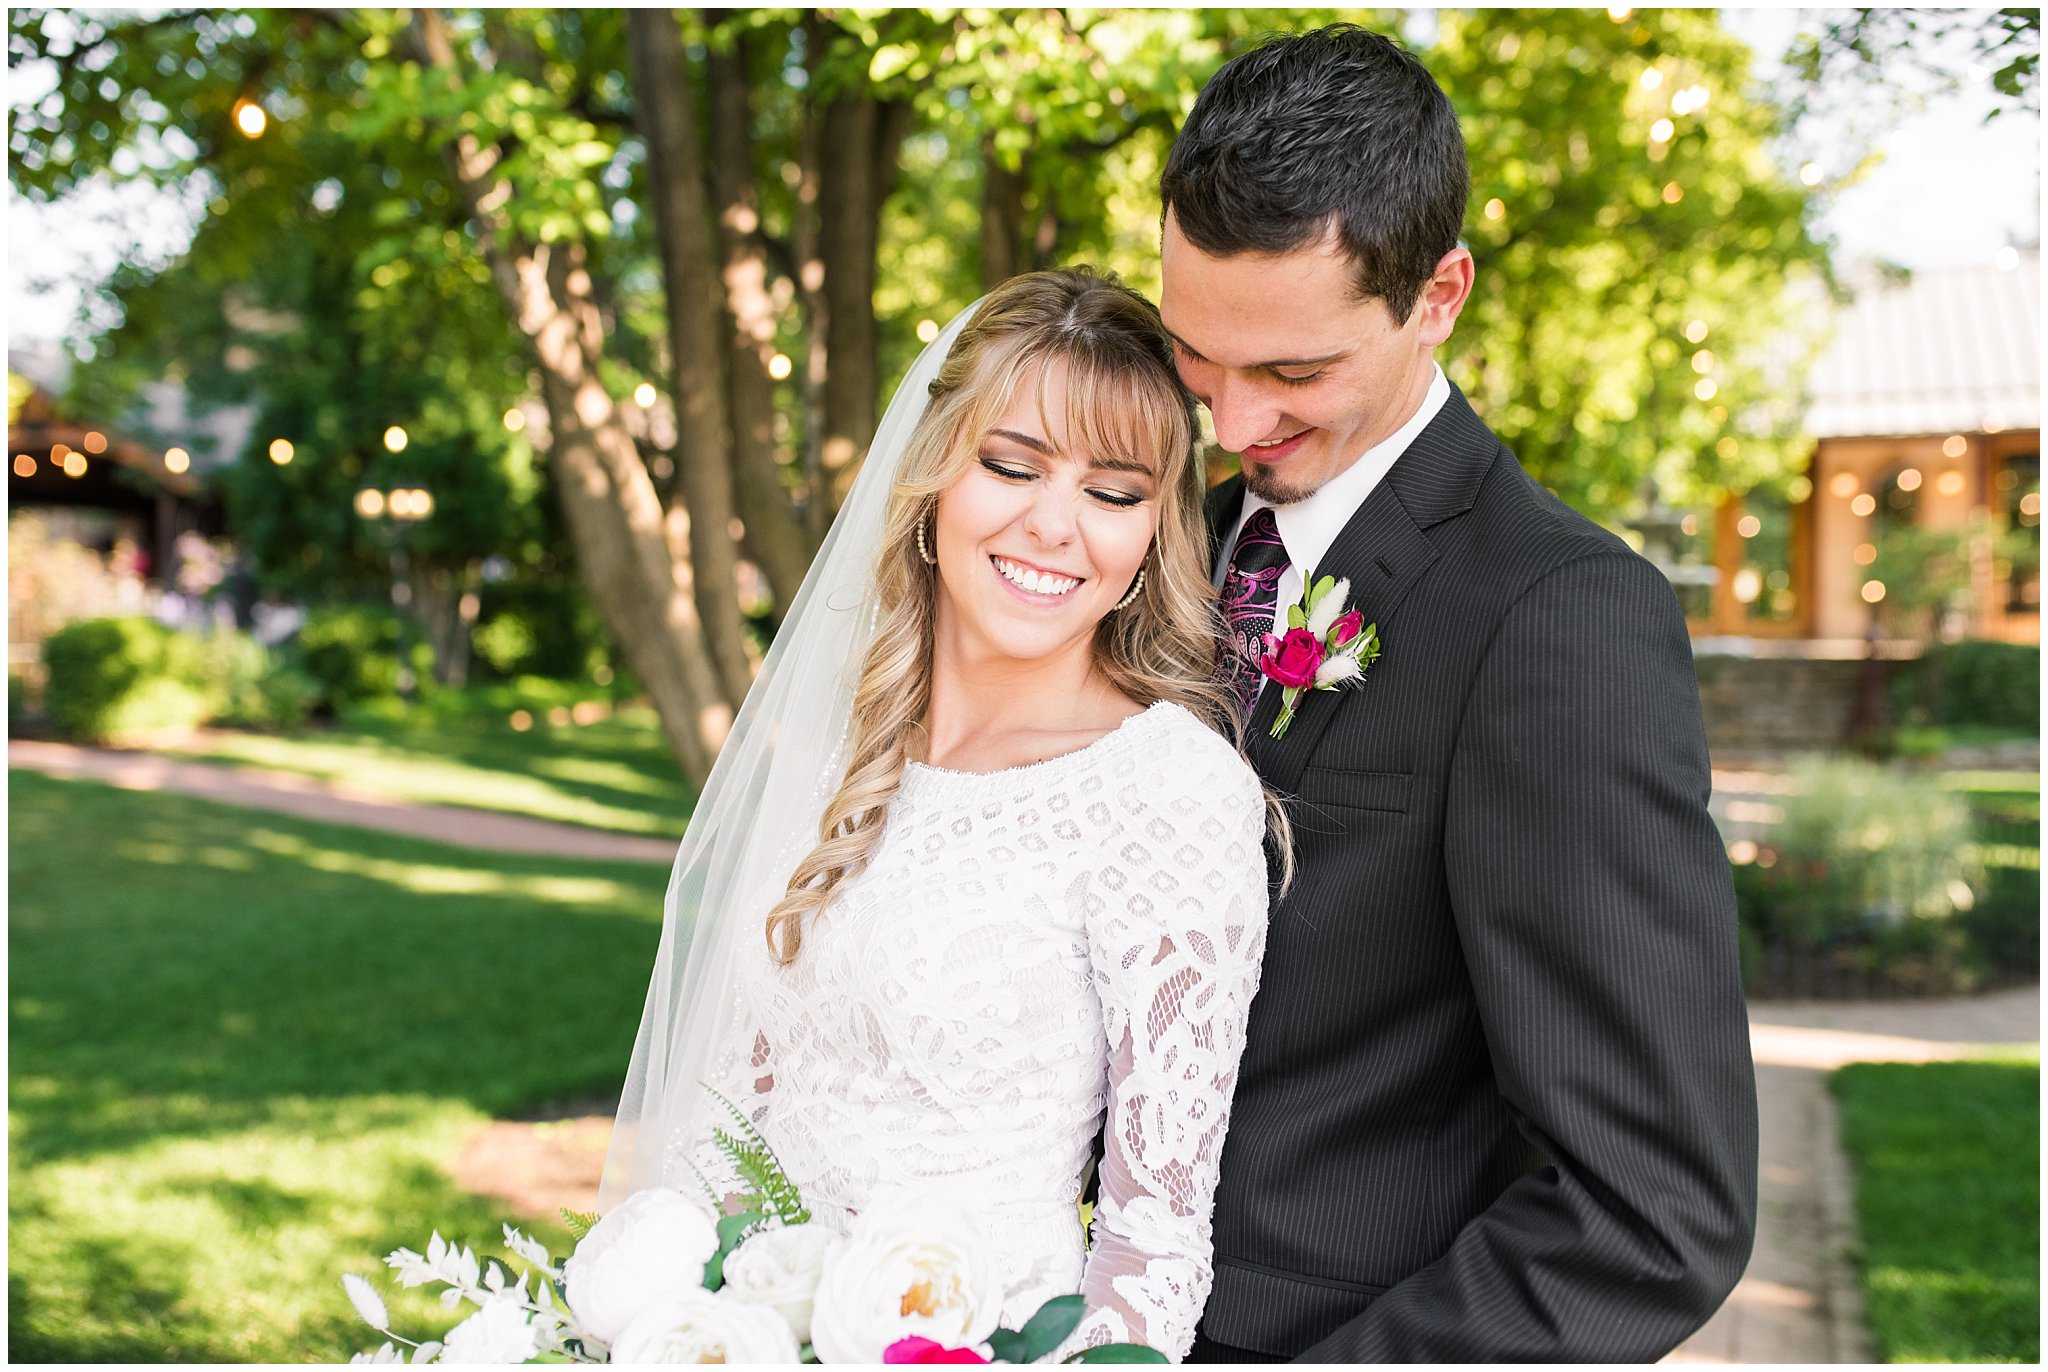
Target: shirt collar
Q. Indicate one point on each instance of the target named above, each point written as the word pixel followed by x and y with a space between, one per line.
pixel 1308 527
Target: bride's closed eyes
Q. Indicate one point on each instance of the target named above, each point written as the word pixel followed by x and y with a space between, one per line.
pixel 1109 496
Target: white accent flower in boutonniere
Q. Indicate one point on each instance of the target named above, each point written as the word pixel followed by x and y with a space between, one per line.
pixel 1325 646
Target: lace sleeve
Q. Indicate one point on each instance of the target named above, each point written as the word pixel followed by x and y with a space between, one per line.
pixel 1177 927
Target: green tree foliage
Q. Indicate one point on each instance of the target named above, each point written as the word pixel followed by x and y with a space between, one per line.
pixel 450 214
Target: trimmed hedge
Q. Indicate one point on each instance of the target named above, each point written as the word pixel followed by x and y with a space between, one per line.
pixel 1975 682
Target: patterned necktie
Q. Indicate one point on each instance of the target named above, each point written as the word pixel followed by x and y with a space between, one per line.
pixel 1251 585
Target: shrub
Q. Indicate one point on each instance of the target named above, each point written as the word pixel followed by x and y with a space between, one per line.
pixel 1869 872
pixel 350 653
pixel 113 676
pixel 1975 682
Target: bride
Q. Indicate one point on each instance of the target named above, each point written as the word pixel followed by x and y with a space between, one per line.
pixel 978 879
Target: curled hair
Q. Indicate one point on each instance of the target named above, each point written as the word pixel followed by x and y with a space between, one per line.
pixel 1124 399
pixel 1340 129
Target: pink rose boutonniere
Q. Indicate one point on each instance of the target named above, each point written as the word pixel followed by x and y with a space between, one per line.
pixel 1325 646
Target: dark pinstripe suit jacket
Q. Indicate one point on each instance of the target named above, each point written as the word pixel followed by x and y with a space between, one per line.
pixel 1497 1101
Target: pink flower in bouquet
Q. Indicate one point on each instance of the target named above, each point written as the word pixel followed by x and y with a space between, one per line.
pixel 1292 661
pixel 1348 627
pixel 919 1349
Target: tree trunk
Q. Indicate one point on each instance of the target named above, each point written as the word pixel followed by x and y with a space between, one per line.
pixel 1002 216
pixel 777 540
pixel 859 143
pixel 609 503
pixel 810 280
pixel 445 603
pixel 664 92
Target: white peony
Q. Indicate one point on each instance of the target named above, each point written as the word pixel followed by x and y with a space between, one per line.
pixel 780 1268
pixel 653 1243
pixel 913 1264
pixel 702 1326
pixel 498 1333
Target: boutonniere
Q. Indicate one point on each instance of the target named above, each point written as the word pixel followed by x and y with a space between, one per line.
pixel 1325 646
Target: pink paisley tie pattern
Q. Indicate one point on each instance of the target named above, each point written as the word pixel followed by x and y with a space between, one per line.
pixel 1251 586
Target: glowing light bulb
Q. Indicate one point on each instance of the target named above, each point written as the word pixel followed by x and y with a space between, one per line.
pixel 1749 526
pixel 927 330
pixel 643 395
pixel 250 118
pixel 514 421
pixel 1864 505
pixel 281 451
pixel 177 459
pixel 1873 591
pixel 1909 479
pixel 1496 208
pixel 779 366
pixel 395 439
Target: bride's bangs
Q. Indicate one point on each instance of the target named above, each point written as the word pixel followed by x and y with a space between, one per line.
pixel 1127 413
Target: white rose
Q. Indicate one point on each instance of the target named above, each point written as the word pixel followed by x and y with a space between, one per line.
pixel 780 1268
pixel 653 1243
pixel 911 1265
pixel 498 1333
pixel 701 1327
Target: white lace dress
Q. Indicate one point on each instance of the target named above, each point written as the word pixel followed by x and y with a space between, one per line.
pixel 1026 949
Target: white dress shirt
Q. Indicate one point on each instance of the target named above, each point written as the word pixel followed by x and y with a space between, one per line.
pixel 1308 527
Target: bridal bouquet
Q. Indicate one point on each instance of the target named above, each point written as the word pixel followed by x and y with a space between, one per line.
pixel 668 1278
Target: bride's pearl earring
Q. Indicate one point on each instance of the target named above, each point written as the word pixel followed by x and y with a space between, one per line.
pixel 1132 594
pixel 924 550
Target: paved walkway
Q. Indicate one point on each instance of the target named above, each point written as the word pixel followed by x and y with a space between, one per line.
pixel 335 803
pixel 1800 1300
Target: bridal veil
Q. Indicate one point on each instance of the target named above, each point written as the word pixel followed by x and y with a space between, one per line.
pixel 758 815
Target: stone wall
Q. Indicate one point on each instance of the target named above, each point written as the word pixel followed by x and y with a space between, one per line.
pixel 1759 705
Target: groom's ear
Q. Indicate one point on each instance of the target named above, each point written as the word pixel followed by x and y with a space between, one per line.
pixel 1443 296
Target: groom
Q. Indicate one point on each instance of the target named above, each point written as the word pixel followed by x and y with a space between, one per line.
pixel 1497 1102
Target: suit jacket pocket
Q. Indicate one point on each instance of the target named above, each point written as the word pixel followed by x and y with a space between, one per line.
pixel 1347 789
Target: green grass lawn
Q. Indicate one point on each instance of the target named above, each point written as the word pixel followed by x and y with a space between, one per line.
pixel 614 773
pixel 244 1050
pixel 1947 1162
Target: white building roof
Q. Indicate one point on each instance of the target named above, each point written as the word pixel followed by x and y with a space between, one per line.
pixel 1949 350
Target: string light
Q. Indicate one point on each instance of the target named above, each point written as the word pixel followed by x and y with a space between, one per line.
pixel 643 395
pixel 1950 483
pixel 1873 591
pixel 779 366
pixel 1673 192
pixel 250 118
pixel 1955 445
pixel 1909 479
pixel 1705 389
pixel 1696 331
pixel 1865 554
pixel 1703 361
pixel 74 463
pixel 1496 208
pixel 95 442
pixel 24 465
pixel 395 439
pixel 927 330
pixel 281 451
pixel 1661 131
pixel 1749 526
pixel 1863 505
pixel 1842 485
pixel 176 459
pixel 514 421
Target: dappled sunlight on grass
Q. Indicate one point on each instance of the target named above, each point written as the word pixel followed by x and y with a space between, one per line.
pixel 1947 1162
pixel 233 1079
pixel 615 774
pixel 430 879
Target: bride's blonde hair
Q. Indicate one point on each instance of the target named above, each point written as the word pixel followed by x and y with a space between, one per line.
pixel 1124 400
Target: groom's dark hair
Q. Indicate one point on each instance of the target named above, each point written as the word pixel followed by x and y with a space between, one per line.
pixel 1338 128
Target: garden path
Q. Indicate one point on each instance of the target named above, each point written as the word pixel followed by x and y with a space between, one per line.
pixel 285 793
pixel 1800 1301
